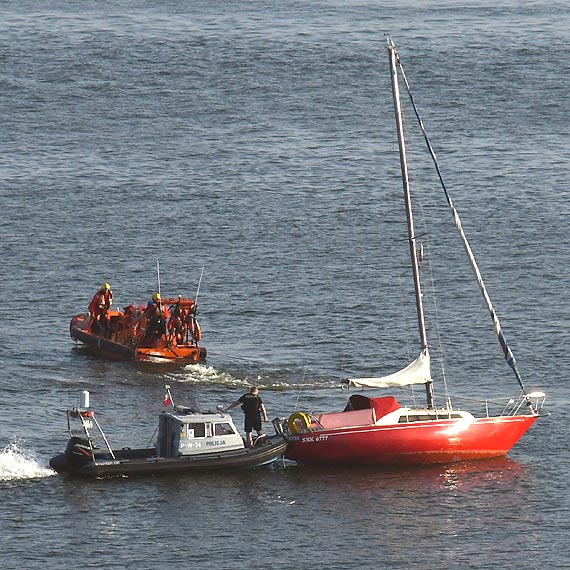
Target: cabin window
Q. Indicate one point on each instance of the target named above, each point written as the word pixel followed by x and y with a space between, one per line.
pixel 428 417
pixel 195 430
pixel 223 429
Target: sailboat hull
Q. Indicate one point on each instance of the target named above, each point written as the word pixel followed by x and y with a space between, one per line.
pixel 376 431
pixel 422 442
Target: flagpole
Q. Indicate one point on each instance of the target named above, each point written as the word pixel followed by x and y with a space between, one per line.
pixel 168 396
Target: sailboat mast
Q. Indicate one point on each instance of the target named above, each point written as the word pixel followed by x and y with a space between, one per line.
pixel 406 183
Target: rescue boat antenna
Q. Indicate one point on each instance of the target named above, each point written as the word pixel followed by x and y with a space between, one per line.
pixel 199 283
pixel 158 273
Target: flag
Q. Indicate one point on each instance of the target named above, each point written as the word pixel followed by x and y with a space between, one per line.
pixel 167 401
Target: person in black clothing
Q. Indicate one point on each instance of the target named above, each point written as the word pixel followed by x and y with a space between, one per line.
pixel 157 316
pixel 252 406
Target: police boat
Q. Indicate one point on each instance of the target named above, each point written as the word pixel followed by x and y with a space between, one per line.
pixel 188 440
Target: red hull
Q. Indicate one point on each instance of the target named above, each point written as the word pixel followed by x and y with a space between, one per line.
pixel 435 441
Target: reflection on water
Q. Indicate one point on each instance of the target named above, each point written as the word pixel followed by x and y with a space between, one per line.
pixel 459 475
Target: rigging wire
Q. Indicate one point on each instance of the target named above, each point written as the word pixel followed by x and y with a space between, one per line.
pixel 402 282
pixel 509 356
pixel 432 308
pixel 433 316
pixel 300 390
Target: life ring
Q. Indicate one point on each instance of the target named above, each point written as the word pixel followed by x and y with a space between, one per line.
pixel 295 419
pixel 195 330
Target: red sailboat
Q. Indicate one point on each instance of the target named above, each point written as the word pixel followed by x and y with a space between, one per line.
pixel 378 431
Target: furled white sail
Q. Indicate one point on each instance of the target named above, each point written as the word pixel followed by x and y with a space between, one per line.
pixel 417 372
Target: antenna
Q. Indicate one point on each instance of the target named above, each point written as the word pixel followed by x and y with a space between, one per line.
pixel 158 274
pixel 199 283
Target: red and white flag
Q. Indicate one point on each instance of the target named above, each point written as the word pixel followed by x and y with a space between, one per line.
pixel 167 401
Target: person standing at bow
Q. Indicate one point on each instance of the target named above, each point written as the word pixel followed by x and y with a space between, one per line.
pixel 252 406
pixel 98 310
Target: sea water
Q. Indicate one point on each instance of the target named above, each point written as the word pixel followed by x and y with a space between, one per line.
pixel 255 141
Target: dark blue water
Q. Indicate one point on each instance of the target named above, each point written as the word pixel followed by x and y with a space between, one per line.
pixel 256 140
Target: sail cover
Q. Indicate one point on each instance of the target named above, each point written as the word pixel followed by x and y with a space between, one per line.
pixel 417 372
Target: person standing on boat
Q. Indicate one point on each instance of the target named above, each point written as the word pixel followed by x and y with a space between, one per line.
pixel 157 315
pixel 178 323
pixel 252 406
pixel 98 309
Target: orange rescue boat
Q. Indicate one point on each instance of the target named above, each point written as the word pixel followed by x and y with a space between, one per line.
pixel 133 334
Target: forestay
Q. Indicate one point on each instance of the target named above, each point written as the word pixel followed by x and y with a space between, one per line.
pixel 509 356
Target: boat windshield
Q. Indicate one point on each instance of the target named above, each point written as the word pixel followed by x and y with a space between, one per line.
pixel 223 429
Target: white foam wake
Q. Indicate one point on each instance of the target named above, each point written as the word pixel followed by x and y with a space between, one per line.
pixel 18 463
pixel 201 374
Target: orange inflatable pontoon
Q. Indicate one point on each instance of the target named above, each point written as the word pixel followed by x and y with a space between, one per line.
pixel 130 334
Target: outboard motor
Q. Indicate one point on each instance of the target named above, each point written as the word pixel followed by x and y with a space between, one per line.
pixel 76 455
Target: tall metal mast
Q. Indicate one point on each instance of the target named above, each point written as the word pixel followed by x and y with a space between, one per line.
pixel 405 181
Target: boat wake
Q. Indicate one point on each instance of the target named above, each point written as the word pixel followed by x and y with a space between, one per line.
pixel 202 374
pixel 17 463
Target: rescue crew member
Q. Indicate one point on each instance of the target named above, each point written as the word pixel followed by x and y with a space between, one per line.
pixel 177 325
pixel 252 405
pixel 98 310
pixel 157 315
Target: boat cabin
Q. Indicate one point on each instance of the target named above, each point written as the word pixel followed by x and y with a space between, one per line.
pixel 189 431
pixel 362 411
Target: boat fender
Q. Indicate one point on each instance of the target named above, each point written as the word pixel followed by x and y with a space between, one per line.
pixel 296 419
